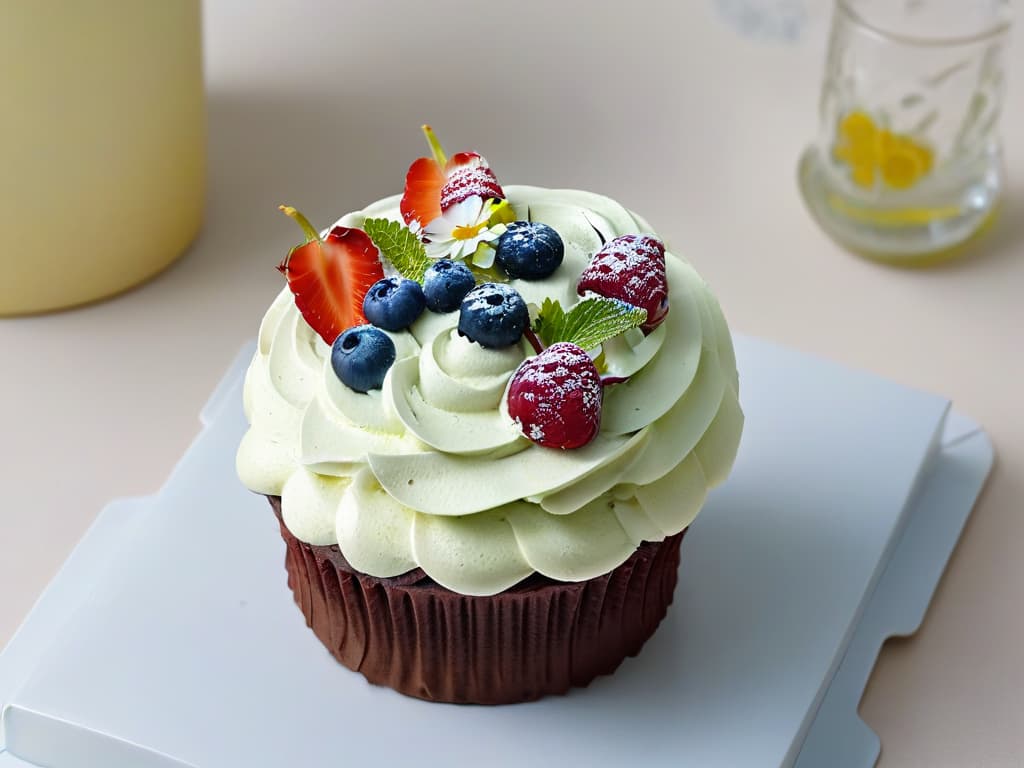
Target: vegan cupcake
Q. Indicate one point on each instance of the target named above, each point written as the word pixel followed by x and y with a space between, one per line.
pixel 485 417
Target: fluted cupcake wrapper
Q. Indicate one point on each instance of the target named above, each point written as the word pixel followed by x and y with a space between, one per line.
pixel 538 638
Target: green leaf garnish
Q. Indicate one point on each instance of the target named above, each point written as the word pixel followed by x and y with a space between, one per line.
pixel 400 246
pixel 550 322
pixel 589 323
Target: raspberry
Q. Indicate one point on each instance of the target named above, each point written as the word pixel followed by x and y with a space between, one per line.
pixel 469 180
pixel 630 268
pixel 555 397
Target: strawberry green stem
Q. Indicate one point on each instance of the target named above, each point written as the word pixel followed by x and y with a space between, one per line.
pixel 435 146
pixel 534 340
pixel 309 229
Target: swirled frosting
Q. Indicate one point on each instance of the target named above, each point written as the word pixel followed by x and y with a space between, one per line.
pixel 430 471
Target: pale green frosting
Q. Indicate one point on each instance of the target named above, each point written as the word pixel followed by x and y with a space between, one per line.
pixel 431 472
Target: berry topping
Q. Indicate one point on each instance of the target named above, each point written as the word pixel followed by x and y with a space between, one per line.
pixel 468 173
pixel 394 303
pixel 630 268
pixel 555 397
pixel 422 198
pixel 468 181
pixel 446 284
pixel 529 250
pixel 330 276
pixel 361 357
pixel 493 315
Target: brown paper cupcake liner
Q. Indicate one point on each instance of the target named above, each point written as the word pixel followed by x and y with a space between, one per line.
pixel 538 638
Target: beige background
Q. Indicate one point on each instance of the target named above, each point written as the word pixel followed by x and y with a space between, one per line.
pixel 664 105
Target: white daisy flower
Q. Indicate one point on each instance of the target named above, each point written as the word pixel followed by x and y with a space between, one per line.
pixel 459 232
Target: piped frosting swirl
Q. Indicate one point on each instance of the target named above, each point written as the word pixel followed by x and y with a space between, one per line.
pixel 430 472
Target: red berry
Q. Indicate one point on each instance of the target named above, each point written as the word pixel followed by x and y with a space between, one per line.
pixel 555 397
pixel 468 181
pixel 434 184
pixel 330 277
pixel 630 268
pixel 422 199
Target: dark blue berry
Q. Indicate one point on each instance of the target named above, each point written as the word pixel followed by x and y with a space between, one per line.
pixel 361 356
pixel 446 284
pixel 394 303
pixel 529 250
pixel 493 315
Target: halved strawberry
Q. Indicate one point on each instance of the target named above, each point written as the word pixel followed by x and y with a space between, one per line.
pixel 330 276
pixel 422 199
pixel 427 176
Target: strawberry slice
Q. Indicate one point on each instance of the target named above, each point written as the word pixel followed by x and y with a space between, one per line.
pixel 427 177
pixel 330 276
pixel 422 199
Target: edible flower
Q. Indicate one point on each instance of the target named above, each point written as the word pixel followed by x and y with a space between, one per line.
pixel 455 204
pixel 466 231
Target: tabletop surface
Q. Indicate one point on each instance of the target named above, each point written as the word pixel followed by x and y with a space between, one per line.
pixel 690 113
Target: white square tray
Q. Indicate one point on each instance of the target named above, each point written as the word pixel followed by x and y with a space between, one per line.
pixel 170 638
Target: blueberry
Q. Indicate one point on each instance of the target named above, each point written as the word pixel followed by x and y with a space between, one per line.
pixel 446 284
pixel 394 303
pixel 529 250
pixel 361 356
pixel 493 315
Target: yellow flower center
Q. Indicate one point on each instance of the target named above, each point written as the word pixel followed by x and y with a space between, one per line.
pixel 468 233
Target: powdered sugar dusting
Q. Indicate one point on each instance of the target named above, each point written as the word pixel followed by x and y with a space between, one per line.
pixel 470 181
pixel 630 268
pixel 556 397
pixel 482 301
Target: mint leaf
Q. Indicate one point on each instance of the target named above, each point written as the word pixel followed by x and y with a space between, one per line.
pixel 594 321
pixel 589 323
pixel 399 246
pixel 550 322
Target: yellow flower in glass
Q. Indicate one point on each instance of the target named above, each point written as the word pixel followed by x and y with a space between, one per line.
pixel 874 153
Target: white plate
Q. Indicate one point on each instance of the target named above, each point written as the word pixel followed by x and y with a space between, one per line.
pixel 170 637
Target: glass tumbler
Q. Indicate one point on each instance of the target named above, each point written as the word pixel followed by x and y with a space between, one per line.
pixel 906 165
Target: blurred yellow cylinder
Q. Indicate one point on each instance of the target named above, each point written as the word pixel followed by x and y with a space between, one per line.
pixel 102 146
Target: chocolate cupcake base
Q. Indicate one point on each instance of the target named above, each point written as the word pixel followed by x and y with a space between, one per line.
pixel 538 638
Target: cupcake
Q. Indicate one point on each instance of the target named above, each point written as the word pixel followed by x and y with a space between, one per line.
pixel 485 417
